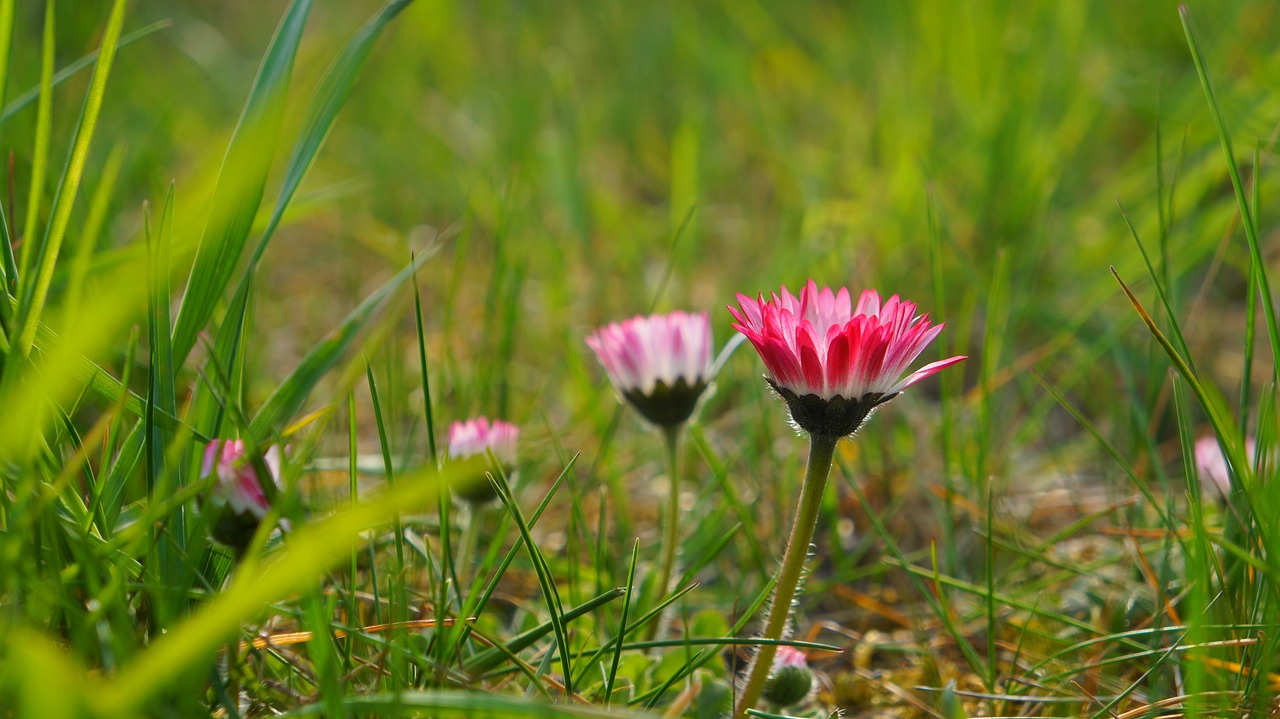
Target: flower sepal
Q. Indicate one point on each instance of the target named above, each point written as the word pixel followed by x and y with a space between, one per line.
pixel 833 418
pixel 668 405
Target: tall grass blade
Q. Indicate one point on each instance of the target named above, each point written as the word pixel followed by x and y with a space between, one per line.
pixel 35 292
pixel 468 705
pixel 310 551
pixel 335 88
pixel 1246 215
pixel 40 148
pixel 287 398
pixel 546 581
pixel 24 100
pixel 422 367
pixel 240 182
pixel 6 42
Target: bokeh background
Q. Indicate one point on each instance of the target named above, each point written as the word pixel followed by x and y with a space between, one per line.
pixel 571 164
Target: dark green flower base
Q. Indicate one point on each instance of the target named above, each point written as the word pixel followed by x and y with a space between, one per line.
pixel 476 490
pixel 836 417
pixel 666 405
pixel 234 530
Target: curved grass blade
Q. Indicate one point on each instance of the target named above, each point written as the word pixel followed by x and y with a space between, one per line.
pixel 308 552
pixel 1233 169
pixel 476 607
pixel 493 656
pixel 453 703
pixel 105 384
pixel 1210 405
pixel 35 292
pixel 40 149
pixel 289 396
pixel 546 580
pixel 622 625
pixel 24 100
pixel 330 96
pixel 241 182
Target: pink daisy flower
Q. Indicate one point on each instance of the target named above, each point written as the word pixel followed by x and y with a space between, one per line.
pixel 239 499
pixel 1212 463
pixel 831 361
pixel 661 364
pixel 476 437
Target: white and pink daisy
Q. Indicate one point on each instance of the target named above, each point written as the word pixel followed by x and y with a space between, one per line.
pixel 833 362
pixel 479 437
pixel 240 501
pixel 660 363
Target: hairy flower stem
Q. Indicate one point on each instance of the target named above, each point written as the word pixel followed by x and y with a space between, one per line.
pixel 821 450
pixel 671 523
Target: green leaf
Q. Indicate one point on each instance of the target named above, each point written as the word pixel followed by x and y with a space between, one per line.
pixel 24 100
pixel 308 552
pixel 35 292
pixel 289 396
pixel 240 183
pixel 330 96
pixel 452 703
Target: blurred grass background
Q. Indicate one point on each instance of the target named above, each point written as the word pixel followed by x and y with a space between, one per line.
pixel 564 143
pixel 969 156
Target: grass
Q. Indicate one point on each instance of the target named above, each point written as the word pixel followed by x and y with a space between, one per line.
pixel 340 226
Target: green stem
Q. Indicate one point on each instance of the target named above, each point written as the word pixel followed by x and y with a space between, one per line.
pixel 469 539
pixel 821 450
pixel 671 522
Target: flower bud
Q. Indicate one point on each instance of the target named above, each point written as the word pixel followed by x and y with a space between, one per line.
pixel 790 678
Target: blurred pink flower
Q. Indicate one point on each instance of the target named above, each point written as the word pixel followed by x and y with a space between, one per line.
pixel 475 437
pixel 239 499
pixel 660 363
pixel 1212 464
pixel 789 656
pixel 238 484
pixel 833 362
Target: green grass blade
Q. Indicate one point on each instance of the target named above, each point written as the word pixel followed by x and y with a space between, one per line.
pixel 8 270
pixel 469 705
pixel 622 625
pixel 1211 404
pixel 422 366
pixel 1246 215
pixel 492 657
pixel 1158 282
pixel 240 182
pixel 309 552
pixel 34 293
pixel 162 395
pixel 102 382
pixel 6 41
pixel 40 151
pixel 87 242
pixel 546 581
pixel 24 100
pixel 331 95
pixel 289 396
pixel 335 88
pixel 477 606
